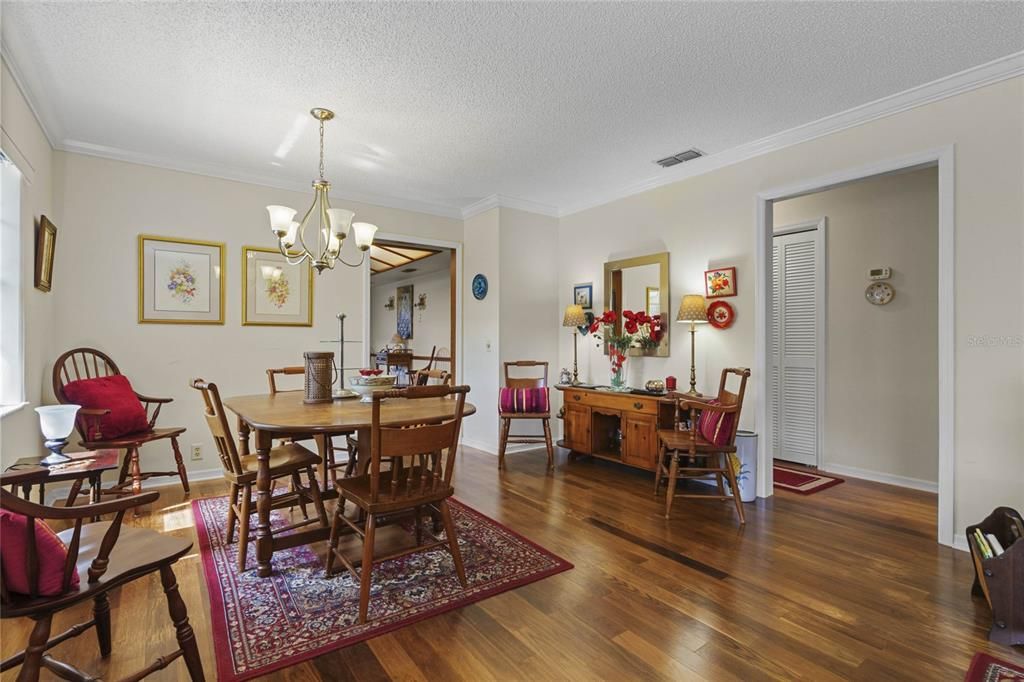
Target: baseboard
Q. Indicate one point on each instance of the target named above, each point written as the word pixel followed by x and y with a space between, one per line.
pixel 880 477
pixel 488 448
pixel 960 542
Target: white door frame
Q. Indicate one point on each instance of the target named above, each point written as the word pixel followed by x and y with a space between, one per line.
pixel 820 226
pixel 943 157
pixel 423 241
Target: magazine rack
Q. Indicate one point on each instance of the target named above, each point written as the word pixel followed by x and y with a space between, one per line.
pixel 1000 579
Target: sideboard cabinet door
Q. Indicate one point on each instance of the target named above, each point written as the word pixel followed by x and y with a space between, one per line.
pixel 577 427
pixel 640 440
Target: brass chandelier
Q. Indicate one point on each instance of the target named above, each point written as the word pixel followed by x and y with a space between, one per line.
pixel 332 224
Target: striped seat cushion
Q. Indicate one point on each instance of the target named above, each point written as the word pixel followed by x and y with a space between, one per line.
pixel 716 427
pixel 524 400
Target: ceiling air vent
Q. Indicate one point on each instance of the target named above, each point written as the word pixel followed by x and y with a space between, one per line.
pixel 410 270
pixel 688 155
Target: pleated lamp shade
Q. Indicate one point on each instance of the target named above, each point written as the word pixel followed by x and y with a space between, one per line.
pixel 692 309
pixel 574 316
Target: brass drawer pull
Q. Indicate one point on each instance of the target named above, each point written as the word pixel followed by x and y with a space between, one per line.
pixel 576 396
pixel 638 405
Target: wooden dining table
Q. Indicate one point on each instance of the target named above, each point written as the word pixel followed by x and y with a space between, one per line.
pixel 284 415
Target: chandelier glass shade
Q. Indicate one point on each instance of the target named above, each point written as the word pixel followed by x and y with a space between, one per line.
pixel 320 234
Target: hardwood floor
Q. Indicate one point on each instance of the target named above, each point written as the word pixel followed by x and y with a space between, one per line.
pixel 845 584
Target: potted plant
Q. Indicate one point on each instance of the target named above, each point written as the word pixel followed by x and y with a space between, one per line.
pixel 638 330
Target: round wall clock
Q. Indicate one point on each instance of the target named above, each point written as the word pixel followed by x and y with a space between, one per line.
pixel 879 293
pixel 721 315
pixel 479 287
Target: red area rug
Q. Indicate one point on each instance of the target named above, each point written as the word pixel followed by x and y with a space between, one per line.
pixel 985 668
pixel 264 624
pixel 800 481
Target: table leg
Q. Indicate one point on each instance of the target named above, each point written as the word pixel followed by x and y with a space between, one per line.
pixel 364 454
pixel 42 494
pixel 95 490
pixel 264 536
pixel 243 437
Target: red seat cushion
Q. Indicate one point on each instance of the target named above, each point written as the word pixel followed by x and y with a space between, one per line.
pixel 51 554
pixel 524 400
pixel 716 427
pixel 114 393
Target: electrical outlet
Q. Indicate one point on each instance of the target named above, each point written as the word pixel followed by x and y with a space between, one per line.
pixel 197 451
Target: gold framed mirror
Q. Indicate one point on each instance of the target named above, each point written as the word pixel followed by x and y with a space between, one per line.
pixel 639 284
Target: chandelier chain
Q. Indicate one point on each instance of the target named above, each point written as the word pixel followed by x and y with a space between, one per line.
pixel 321 149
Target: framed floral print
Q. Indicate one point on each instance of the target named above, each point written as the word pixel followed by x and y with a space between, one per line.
pixel 46 243
pixel 404 311
pixel 274 292
pixel 181 281
pixel 720 282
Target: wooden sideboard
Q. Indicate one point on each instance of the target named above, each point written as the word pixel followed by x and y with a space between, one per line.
pixel 619 427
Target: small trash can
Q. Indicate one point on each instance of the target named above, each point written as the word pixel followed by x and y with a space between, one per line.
pixel 746 452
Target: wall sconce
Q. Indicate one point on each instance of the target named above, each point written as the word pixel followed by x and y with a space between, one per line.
pixel 390 305
pixel 421 303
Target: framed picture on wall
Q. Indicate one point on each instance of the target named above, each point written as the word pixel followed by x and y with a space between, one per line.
pixel 403 311
pixel 652 298
pixel 46 242
pixel 274 292
pixel 583 295
pixel 181 281
pixel 720 282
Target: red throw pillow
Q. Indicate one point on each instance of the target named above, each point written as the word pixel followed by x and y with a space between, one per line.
pixel 51 552
pixel 524 400
pixel 716 427
pixel 114 393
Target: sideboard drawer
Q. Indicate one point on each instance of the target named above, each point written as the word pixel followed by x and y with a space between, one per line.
pixel 623 402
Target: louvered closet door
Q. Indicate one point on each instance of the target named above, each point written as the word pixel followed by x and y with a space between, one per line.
pixel 796 263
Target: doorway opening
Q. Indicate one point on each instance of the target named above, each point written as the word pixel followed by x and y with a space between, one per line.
pixel 412 311
pixel 855 327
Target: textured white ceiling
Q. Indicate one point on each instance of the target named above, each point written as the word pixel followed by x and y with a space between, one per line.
pixel 447 103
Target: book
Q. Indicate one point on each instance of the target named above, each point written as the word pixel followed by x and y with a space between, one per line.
pixel 982 544
pixel 993 542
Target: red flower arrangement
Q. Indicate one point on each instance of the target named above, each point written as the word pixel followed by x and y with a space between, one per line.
pixel 639 330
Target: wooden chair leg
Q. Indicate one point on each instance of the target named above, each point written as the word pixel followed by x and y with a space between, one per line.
pixel 126 464
pixel 366 569
pixel 180 461
pixel 670 493
pixel 503 441
pixel 76 487
pixel 419 525
pixel 332 546
pixel 101 612
pixel 232 511
pixel 718 481
pixel 734 486
pixel 34 652
pixel 550 446
pixel 243 525
pixel 297 488
pixel 659 470
pixel 318 501
pixel 136 471
pixel 453 541
pixel 183 631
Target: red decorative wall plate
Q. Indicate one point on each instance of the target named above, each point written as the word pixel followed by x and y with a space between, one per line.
pixel 721 315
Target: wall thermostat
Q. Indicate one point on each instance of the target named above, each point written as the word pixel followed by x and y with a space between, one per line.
pixel 880 273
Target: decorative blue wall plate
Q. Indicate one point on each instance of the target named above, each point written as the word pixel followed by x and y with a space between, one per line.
pixel 479 287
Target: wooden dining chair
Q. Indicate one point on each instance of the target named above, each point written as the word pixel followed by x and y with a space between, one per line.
pixel 419 479
pixel 522 399
pixel 89 363
pixel 707 448
pixel 428 377
pixel 103 556
pixel 325 444
pixel 286 461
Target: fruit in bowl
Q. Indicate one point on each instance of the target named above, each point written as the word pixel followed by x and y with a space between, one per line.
pixel 367 385
pixel 370 372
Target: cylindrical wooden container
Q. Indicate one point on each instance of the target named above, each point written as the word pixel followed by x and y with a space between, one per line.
pixel 319 376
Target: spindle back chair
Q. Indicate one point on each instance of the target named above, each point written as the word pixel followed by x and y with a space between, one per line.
pixel 89 363
pixel 104 556
pixel 506 436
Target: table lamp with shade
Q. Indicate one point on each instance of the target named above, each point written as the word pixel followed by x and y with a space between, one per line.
pixel 692 309
pixel 574 317
pixel 56 422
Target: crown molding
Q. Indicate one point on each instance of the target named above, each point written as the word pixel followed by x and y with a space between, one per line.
pixel 48 126
pixel 975 77
pixel 235 175
pixel 502 201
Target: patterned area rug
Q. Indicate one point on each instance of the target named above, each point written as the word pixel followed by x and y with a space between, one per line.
pixel 800 481
pixel 264 624
pixel 985 668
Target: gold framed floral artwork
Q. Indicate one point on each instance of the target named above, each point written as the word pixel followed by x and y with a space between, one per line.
pixel 275 292
pixel 181 281
pixel 46 243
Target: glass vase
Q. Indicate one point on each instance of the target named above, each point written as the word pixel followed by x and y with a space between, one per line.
pixel 617 360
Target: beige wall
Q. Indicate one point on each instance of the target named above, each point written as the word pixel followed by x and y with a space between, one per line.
pixel 881 379
pixel 431 327
pixel 710 219
pixel 23 141
pixel 106 204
